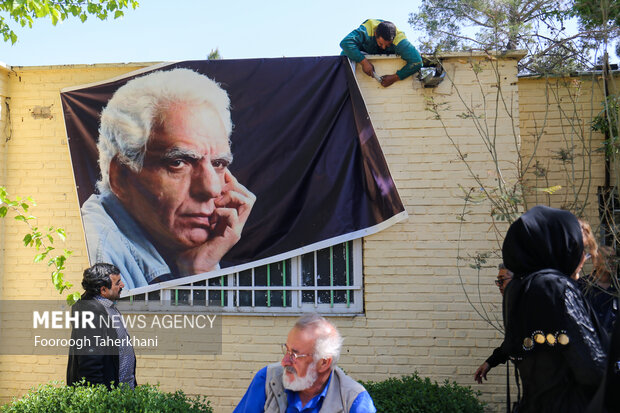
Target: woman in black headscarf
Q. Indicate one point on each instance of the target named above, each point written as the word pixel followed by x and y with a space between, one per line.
pixel 551 332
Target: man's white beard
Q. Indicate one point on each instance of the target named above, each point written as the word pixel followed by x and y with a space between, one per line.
pixel 300 383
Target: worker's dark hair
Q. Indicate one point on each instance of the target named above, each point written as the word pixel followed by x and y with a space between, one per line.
pixel 96 277
pixel 386 30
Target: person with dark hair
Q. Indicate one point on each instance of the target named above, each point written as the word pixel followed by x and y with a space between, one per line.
pixel 499 356
pixel 600 290
pixel 99 361
pixel 377 36
pixel 386 30
pixel 96 277
pixel 307 379
pixel 552 334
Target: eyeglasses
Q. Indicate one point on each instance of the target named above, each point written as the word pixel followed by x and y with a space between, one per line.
pixel 294 356
pixel 500 281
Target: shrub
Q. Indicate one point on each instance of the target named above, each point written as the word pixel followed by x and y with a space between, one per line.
pixel 412 394
pixel 98 399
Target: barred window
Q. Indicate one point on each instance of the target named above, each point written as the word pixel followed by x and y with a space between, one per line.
pixel 326 281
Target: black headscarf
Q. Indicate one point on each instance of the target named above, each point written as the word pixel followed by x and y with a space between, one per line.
pixel 543 238
pixel 544 248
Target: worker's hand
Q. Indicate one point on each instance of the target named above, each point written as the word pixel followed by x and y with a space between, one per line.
pixel 367 67
pixel 481 373
pixel 387 80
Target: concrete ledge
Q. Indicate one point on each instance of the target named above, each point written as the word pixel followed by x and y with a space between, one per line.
pixel 85 66
pixel 507 54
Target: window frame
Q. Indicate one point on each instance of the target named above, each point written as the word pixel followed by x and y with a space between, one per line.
pixel 165 304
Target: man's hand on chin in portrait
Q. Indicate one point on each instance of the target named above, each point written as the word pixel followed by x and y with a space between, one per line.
pixel 232 210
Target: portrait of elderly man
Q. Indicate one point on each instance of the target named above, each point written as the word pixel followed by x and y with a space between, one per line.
pixel 167 205
pixel 307 379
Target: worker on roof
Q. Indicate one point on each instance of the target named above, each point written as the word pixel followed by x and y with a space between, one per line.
pixel 376 36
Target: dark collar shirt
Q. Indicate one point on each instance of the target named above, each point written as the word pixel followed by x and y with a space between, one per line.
pixel 126 355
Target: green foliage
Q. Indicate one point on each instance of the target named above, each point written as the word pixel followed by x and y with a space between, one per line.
pixel 214 54
pixel 504 23
pixel 596 13
pixel 40 240
pixel 412 394
pixel 537 26
pixel 98 399
pixel 606 122
pixel 24 12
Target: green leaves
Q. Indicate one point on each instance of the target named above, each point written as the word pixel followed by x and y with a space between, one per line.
pixel 73 298
pixel 606 123
pixel 415 394
pixel 538 26
pixel 25 12
pixel 40 240
pixel 86 398
pixel 597 13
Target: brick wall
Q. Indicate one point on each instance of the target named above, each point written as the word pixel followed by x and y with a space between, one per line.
pixel 558 144
pixel 418 315
pixel 36 163
pixel 4 136
pixel 414 282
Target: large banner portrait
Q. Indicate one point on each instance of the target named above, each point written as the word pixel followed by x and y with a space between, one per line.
pixel 192 170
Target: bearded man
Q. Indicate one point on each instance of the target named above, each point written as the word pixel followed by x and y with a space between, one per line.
pixel 307 379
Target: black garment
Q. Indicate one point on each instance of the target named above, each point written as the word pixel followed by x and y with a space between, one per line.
pixel 607 399
pixel 604 302
pixel 543 248
pixel 95 362
pixel 612 377
pixel 543 238
pixel 499 356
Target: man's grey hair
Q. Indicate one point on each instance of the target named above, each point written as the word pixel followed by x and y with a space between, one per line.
pixel 502 266
pixel 328 339
pixel 129 117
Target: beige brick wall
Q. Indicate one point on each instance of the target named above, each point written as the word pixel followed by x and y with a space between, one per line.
pixel 555 122
pixel 417 316
pixel 414 281
pixel 5 134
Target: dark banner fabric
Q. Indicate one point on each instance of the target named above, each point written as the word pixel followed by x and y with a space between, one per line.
pixel 163 200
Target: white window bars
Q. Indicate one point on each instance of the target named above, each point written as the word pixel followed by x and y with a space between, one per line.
pixel 327 281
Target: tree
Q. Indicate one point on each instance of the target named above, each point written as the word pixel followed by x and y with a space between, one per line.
pixel 39 239
pixel 597 13
pixel 565 180
pixel 558 155
pixel 24 12
pixel 539 26
pixel 214 54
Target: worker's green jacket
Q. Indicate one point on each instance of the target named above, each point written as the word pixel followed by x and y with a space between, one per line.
pixel 363 39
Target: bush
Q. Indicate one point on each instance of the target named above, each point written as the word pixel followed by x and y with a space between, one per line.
pixel 412 394
pixel 98 399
